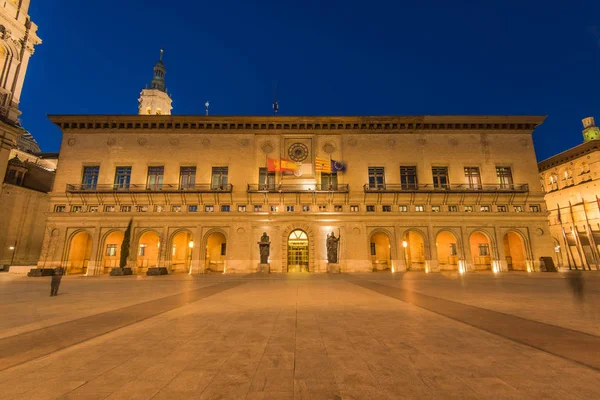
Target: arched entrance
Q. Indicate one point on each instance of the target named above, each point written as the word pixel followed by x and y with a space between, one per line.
pixel 147 251
pixel 80 251
pixel 297 251
pixel 381 258
pixel 216 250
pixel 414 250
pixel 481 250
pixel 111 254
pixel 447 251
pixel 181 252
pixel 514 252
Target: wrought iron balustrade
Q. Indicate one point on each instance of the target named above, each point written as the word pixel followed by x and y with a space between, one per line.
pixel 453 188
pixel 310 188
pixel 149 188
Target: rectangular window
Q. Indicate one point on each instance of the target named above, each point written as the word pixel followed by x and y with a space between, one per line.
pixel 403 208
pixel 111 250
pixel 373 249
pixel 473 178
pixel 193 208
pixel 322 208
pixel 386 208
pixel 90 177
pixel 266 179
pixel 370 208
pixel 453 252
pixel 289 208
pixel 484 250
pixel 225 208
pixel 155 178
pixel 219 179
pixel 440 177
pixel 241 208
pixel 468 208
pixel 338 208
pixel 77 209
pixel 485 209
pixel 223 249
pixel 306 208
pixel 274 208
pixel 93 208
pixel 435 208
pixel 257 208
pixel 209 208
pixel 376 177
pixel 502 209
pixel 534 208
pixel 505 179
pixel 187 177
pixel 60 208
pixel 109 208
pixel 419 208
pixel 453 208
pixel 408 178
pixel 142 250
pixel 122 178
pixel 329 181
pixel 355 208
pixel 176 208
pixel 125 208
pixel 518 208
pixel 159 208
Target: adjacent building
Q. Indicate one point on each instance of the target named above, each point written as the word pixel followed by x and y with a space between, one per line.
pixel 571 181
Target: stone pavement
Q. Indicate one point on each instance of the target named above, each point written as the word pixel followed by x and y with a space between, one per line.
pixel 364 336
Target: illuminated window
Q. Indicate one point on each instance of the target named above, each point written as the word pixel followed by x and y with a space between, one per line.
pixel 518 208
pixel 111 250
pixel 468 208
pixel 109 208
pixel 60 209
pixel 257 208
pixel 242 208
pixel 209 208
pixel 403 208
pixel 274 208
pixel 176 208
pixel 485 209
pixel 484 250
pixel 435 208
pixel 93 208
pixel 125 208
pixel 453 208
pixel 306 208
pixel 354 208
pixel 419 208
pixel 337 208
pixel 534 208
pixel 77 209
pixel 473 178
pixel 142 250
pixel 502 209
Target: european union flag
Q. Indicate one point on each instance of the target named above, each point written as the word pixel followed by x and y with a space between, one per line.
pixel 338 166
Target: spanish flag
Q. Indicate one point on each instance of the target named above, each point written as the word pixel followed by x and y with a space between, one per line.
pixel 322 164
pixel 281 165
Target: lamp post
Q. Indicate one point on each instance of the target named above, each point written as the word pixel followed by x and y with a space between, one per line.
pixel 405 245
pixel 191 246
pixel 12 248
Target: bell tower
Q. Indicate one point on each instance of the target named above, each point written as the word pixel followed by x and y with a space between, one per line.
pixel 590 130
pixel 155 100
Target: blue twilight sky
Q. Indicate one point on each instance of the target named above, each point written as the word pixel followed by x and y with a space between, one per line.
pixel 332 57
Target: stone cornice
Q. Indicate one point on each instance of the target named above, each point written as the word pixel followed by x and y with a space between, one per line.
pixel 306 124
pixel 569 155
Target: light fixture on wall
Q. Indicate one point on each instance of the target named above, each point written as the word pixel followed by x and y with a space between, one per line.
pixel 191 244
pixel 404 244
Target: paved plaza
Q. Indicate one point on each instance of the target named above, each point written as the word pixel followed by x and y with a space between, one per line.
pixel 301 336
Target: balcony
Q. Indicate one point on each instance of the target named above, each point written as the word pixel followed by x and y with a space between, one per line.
pixel 311 188
pixel 145 188
pixel 455 188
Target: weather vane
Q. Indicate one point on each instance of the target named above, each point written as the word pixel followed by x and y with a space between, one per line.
pixel 206 105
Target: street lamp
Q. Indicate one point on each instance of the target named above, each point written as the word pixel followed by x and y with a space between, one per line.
pixel 191 246
pixel 12 248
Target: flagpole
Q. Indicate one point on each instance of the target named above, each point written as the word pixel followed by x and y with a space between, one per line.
pixel 562 228
pixel 591 238
pixel 584 260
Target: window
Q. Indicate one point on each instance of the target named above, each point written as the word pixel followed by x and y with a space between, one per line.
pixel 403 208
pixel 484 249
pixel 376 178
pixel 77 209
pixel 289 208
pixel 468 208
pixel 408 178
pixel 125 208
pixel 142 208
pixel 241 208
pixel 111 250
pixel 176 208
pixel 473 178
pixel 266 179
pixel 223 249
pixel 435 208
pixel 109 208
pixel 518 208
pixel 329 181
pixel 419 208
pixel 373 249
pixel 534 208
pixel 274 208
pixel 257 208
pixel 142 250
pixel 155 178
pixel 122 177
pixel 501 208
pixel 337 208
pixel 386 208
pixel 60 208
pixel 225 208
pixel 93 208
pixel 15 176
pixel 453 208
pixel 193 208
pixel 453 252
pixel 370 208
pixel 209 208
pixel 322 208
pixel 219 178
pixel 90 177
pixel 187 177
pixel 354 208
pixel 505 179
pixel 306 208
pixel 440 177
pixel 159 208
pixel 485 209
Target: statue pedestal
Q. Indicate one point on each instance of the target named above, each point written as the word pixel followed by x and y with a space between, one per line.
pixel 333 268
pixel 263 268
pixel 157 271
pixel 121 271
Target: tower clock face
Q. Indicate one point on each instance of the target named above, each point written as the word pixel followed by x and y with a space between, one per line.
pixel 298 152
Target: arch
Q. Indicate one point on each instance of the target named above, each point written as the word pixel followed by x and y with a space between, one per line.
pixel 110 249
pixel 515 251
pixel 147 250
pixel 380 249
pixel 448 250
pixel 179 252
pixel 298 247
pixel 214 244
pixel 79 252
pixel 416 249
pixel 311 245
pixel 482 249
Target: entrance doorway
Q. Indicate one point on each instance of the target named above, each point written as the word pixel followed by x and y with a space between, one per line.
pixel 181 252
pixel 447 251
pixel 111 254
pixel 147 252
pixel 380 252
pixel 414 250
pixel 514 251
pixel 216 251
pixel 80 252
pixel 481 251
pixel 298 251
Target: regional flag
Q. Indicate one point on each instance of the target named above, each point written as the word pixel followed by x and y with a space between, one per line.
pixel 322 164
pixel 281 165
pixel 338 166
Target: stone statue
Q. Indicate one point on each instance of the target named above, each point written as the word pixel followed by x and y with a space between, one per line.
pixel 265 248
pixel 332 248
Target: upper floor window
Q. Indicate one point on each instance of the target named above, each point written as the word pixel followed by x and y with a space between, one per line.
pixel 376 177
pixel 187 177
pixel 122 177
pixel 90 177
pixel 440 177
pixel 329 181
pixel 370 208
pixel 155 177
pixel 505 178
pixel 408 177
pixel 266 179
pixel 15 176
pixel 219 178
pixel 473 178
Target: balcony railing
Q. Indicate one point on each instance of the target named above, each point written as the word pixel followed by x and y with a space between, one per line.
pixel 312 188
pixel 455 188
pixel 145 188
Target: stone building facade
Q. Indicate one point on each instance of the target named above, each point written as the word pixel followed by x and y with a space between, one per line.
pixel 571 180
pixel 411 192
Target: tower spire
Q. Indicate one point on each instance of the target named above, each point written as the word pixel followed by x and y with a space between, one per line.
pixel 155 100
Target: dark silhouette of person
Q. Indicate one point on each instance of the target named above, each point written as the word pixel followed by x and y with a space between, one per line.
pixel 575 281
pixel 55 283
